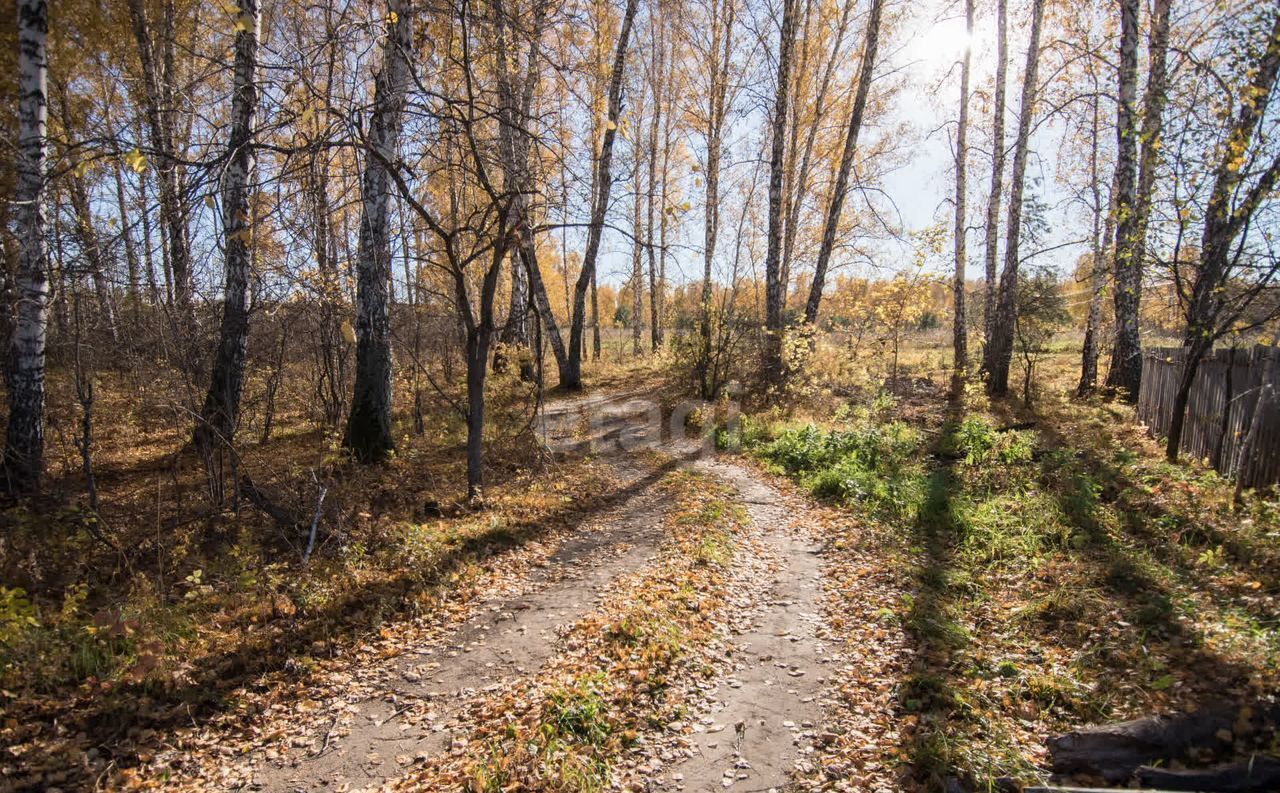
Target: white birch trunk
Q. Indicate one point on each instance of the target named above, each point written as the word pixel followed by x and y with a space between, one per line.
pixel 992 242
pixel 368 432
pixel 1002 328
pixel 24 443
pixel 865 74
pixel 221 410
pixel 959 333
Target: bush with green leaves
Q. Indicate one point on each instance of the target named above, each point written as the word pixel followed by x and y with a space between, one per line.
pixel 976 440
pixel 876 465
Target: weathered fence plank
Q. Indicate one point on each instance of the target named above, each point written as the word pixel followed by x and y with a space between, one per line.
pixel 1220 410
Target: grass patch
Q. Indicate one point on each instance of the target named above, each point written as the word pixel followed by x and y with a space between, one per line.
pixel 578 713
pixel 875 466
pixel 1053 571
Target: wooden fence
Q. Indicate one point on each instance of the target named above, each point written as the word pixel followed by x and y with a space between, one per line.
pixel 1220 410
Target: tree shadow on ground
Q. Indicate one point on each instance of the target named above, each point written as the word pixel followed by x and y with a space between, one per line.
pixel 1121 587
pixel 1103 590
pixel 929 693
pixel 1090 478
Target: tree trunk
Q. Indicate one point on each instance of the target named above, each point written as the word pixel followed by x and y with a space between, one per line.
pixel 368 432
pixel 24 443
pixel 637 265
pixel 595 322
pixel 1103 227
pixel 1223 222
pixel 1193 354
pixel 331 351
pixel 655 123
pixel 1113 752
pixel 221 410
pixel 517 171
pixel 8 276
pixel 1002 330
pixel 1153 105
pixel 992 244
pixel 719 52
pixel 529 257
pixel 806 160
pixel 516 97
pixel 959 333
pixel 1248 455
pixel 791 188
pixel 1126 355
pixel 148 256
pixel 572 377
pixel 57 279
pixel 163 136
pixel 865 74
pixel 1126 274
pixel 774 288
pixel 407 260
pixel 477 362
pixel 516 330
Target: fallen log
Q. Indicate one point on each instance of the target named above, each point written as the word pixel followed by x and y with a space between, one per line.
pixel 1115 752
pixel 1255 775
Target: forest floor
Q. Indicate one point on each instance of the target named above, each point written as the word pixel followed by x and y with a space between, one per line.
pixel 876 593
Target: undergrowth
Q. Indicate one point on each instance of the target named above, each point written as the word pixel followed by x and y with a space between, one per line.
pixel 876 466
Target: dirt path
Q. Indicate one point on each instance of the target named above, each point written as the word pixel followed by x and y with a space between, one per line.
pixel 758 720
pixel 764 715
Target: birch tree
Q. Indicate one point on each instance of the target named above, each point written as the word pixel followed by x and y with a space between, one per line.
pixel 1002 330
pixel 959 333
pixel 774 288
pixel 1228 279
pixel 866 73
pixel 1133 201
pixel 516 97
pixel 1103 228
pixel 572 376
pixel 659 120
pixel 637 261
pixel 368 433
pixel 716 58
pixel 158 101
pixel 991 247
pixel 221 410
pixel 24 442
pixel 803 179
pixel 1125 297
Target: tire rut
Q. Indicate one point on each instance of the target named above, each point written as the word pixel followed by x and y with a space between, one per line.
pixel 764 716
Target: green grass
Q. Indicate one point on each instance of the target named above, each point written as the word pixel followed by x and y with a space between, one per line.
pixel 872 465
pixel 578 714
pixel 1053 576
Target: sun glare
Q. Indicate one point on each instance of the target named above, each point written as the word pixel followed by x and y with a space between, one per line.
pixel 939 45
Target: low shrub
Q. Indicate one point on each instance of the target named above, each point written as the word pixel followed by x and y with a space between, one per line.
pixel 874 465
